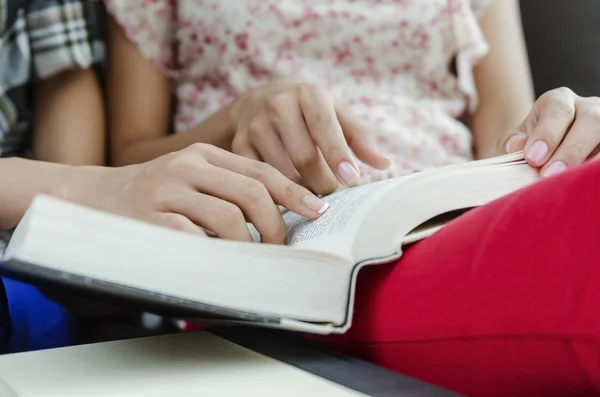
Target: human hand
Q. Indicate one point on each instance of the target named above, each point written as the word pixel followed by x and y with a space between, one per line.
pixel 297 128
pixel 199 187
pixel 562 130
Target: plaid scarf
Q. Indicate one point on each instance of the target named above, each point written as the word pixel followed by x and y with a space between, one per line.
pixel 38 39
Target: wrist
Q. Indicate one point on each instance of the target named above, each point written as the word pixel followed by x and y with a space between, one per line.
pixel 24 179
pixel 77 183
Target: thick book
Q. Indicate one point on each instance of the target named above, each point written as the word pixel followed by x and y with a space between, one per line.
pixel 305 285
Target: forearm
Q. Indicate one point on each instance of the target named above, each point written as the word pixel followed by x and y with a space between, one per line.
pixel 21 180
pixel 218 130
pixel 69 119
pixel 503 79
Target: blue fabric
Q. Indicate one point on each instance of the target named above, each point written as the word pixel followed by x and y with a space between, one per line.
pixel 5 326
pixel 37 322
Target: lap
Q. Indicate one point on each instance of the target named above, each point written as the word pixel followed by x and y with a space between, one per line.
pixel 511 289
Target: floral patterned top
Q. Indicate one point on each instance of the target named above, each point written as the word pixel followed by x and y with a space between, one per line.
pixel 405 67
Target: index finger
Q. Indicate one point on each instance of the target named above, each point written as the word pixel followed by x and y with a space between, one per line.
pixel 283 191
pixel 325 129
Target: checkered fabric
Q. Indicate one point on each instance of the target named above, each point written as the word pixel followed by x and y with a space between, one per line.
pixel 38 39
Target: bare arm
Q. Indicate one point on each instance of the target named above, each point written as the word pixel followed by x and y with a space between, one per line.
pixel 69 119
pixel 21 180
pixel 503 80
pixel 139 104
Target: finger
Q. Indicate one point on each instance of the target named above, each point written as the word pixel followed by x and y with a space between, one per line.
pixel 581 140
pixel 270 148
pixel 326 131
pixel 178 222
pixel 515 143
pixel 219 216
pixel 358 140
pixel 556 112
pixel 283 191
pixel 244 148
pixel 275 154
pixel 286 116
pixel 250 196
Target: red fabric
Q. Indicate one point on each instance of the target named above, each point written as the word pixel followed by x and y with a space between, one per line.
pixel 188 327
pixel 504 301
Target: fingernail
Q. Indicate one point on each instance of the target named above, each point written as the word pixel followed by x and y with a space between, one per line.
pixel 509 142
pixel 348 174
pixel 315 204
pixel 537 152
pixel 554 168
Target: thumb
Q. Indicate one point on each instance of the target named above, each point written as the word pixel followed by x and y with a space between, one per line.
pixel 360 142
pixel 514 142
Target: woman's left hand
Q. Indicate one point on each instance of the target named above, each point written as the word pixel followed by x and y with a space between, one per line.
pixel 562 130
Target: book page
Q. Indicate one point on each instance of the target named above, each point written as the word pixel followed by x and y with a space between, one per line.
pixel 340 223
pixel 347 209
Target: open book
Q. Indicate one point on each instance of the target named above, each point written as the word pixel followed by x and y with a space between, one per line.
pixel 307 285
